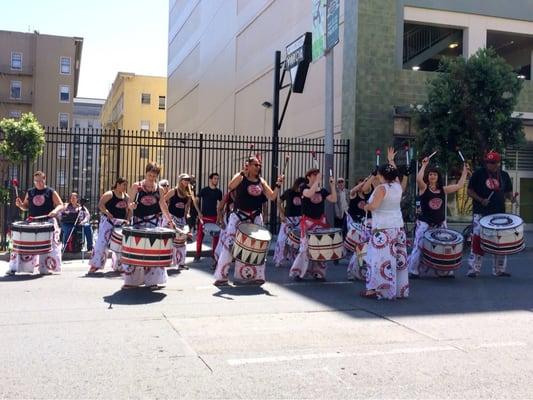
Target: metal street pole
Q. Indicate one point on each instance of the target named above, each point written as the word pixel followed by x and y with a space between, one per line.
pixel 328 137
pixel 275 136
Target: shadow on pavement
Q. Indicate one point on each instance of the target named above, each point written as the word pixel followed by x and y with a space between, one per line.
pixel 20 278
pixel 135 296
pixel 241 290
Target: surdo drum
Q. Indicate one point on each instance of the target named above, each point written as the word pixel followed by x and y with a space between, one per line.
pixel 357 235
pixel 293 238
pixel 442 249
pixel 32 238
pixel 502 234
pixel 182 233
pixel 115 242
pixel 325 244
pixel 251 244
pixel 147 247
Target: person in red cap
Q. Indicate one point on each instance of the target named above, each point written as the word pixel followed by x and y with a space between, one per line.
pixel 488 188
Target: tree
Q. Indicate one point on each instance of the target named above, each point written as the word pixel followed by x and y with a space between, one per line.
pixel 22 139
pixel 469 107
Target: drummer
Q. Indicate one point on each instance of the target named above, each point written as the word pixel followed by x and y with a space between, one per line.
pixel 290 204
pixel 148 205
pixel 488 188
pixel 251 191
pixel 313 200
pixel 113 206
pixel 224 210
pixel 40 200
pixel 179 202
pixel 432 196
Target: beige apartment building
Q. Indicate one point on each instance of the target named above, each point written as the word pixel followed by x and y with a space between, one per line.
pixel 39 73
pixel 220 68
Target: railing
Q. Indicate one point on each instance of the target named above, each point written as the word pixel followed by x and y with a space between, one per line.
pixel 421 39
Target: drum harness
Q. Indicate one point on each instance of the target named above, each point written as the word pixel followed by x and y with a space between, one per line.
pixel 151 219
pixel 244 215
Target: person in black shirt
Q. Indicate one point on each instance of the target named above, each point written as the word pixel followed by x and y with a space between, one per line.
pixel 432 194
pixel 488 188
pixel 289 205
pixel 251 191
pixel 209 197
pixel 313 199
pixel 114 210
pixel 40 200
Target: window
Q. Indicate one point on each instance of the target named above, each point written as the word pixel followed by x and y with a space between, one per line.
pixel 161 127
pixel 143 152
pixel 64 65
pixel 145 125
pixel 16 90
pixel 162 102
pixel 14 114
pixel 61 178
pixel 64 94
pixel 62 150
pixel 90 124
pixel 145 98
pixel 16 61
pixel 63 121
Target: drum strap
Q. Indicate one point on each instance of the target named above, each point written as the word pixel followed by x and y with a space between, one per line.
pixel 151 219
pixel 311 223
pixel 246 215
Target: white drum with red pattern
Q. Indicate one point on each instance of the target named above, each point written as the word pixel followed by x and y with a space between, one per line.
pixel 325 244
pixel 357 235
pixel 115 242
pixel 32 238
pixel 147 247
pixel 251 244
pixel 293 238
pixel 502 234
pixel 182 233
pixel 442 249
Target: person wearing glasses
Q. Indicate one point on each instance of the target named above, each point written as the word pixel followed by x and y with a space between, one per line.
pixel 39 201
pixel 251 191
pixel 488 187
pixel 164 185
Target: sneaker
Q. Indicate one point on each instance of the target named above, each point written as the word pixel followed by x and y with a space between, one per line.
pixel 221 282
pixel 297 278
pixel 472 275
pixel 10 273
pixel 196 259
pixel 503 274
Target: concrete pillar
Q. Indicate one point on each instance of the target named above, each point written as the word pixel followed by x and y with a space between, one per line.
pixel 474 38
pixel 531 67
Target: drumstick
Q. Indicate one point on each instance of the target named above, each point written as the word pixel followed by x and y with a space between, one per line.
pixel 137 194
pixel 15 184
pixel 406 148
pixel 378 153
pixel 490 195
pixel 285 164
pixel 432 154
pixel 251 150
pixel 315 161
pixel 30 219
pixel 461 155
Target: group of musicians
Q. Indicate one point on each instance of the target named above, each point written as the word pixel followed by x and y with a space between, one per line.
pixel 373 203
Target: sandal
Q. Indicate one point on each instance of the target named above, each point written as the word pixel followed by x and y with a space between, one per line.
pixel 129 287
pixel 92 270
pixel 369 294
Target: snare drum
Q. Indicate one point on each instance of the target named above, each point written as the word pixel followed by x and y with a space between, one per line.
pixel 182 233
pixel 251 244
pixel 325 244
pixel 147 247
pixel 212 229
pixel 442 249
pixel 502 234
pixel 32 238
pixel 293 238
pixel 115 242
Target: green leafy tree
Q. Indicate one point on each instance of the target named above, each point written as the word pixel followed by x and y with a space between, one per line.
pixel 469 107
pixel 22 139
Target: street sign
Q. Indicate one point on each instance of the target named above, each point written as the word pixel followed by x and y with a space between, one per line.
pixel 332 24
pixel 298 57
pixel 319 27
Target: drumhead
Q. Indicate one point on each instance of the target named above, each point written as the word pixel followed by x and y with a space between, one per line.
pixel 255 231
pixel 443 236
pixel 157 232
pixel 501 221
pixel 326 231
pixel 25 226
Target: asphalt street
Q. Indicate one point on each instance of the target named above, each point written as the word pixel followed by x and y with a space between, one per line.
pixel 70 336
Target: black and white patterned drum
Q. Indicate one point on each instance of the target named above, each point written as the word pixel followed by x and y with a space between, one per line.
pixel 356 235
pixel 442 249
pixel 115 242
pixel 325 244
pixel 182 233
pixel 293 238
pixel 32 238
pixel 502 234
pixel 212 229
pixel 251 244
pixel 147 247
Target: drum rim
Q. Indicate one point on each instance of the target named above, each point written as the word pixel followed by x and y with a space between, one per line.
pixel 484 224
pixel 23 226
pixel 242 225
pixel 457 241
pixel 163 233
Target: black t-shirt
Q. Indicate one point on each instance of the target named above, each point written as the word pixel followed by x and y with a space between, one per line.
pixel 293 203
pixel 147 203
pixel 117 207
pixel 432 206
pixel 209 198
pixel 484 183
pixel 314 207
pixel 357 205
pixel 40 201
pixel 176 205
pixel 249 195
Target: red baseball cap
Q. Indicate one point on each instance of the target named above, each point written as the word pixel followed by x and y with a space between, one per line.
pixel 493 156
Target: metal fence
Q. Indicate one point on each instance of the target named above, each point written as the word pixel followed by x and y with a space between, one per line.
pixel 88 161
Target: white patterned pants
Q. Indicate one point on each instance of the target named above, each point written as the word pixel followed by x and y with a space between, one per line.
pixel 415 267
pixel 475 260
pixel 101 248
pixel 283 251
pixel 302 265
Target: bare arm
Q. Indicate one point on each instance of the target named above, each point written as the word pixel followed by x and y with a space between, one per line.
pixel 379 195
pixel 272 195
pixel 420 176
pixel 309 192
pixel 163 205
pixel 391 153
pixel 23 205
pixel 332 197
pixel 459 185
pixel 58 204
pixel 471 193
pixel 235 181
pixel 101 204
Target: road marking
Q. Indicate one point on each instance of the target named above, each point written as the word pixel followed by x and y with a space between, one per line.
pixel 318 356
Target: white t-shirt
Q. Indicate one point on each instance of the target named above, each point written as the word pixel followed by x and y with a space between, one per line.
pixel 388 214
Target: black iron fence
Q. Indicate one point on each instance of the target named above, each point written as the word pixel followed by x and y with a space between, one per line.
pixel 88 161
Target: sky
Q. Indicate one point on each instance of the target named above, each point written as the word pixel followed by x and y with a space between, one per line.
pixel 118 35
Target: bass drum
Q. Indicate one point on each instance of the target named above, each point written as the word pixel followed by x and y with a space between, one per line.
pixel 502 234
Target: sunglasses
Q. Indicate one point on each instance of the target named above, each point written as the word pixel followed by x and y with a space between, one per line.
pixel 164 185
pixel 256 165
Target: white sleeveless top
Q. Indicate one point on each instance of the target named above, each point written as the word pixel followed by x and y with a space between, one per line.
pixel 389 213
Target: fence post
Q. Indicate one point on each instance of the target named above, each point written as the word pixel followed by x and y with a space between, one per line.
pixel 118 157
pixel 201 164
pixel 346 149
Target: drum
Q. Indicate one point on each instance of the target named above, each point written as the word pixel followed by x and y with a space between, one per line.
pixel 212 229
pixel 502 234
pixel 356 235
pixel 293 238
pixel 251 244
pixel 442 249
pixel 325 244
pixel 147 247
pixel 31 238
pixel 115 242
pixel 182 233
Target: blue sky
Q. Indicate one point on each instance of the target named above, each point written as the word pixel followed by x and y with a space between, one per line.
pixel 119 35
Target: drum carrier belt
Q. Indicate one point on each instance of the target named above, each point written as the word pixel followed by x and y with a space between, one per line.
pixel 244 215
pixel 151 219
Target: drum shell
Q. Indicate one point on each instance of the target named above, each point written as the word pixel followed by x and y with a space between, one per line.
pixel 148 247
pixel 325 244
pixel 442 256
pixel 502 240
pixel 32 238
pixel 182 234
pixel 247 249
pixel 115 241
pixel 355 236
pixel 293 238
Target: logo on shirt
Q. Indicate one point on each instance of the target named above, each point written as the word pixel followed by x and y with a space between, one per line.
pixel 148 200
pixel 297 201
pixel 316 198
pixel 435 204
pixel 180 205
pixel 121 204
pixel 493 184
pixel 255 190
pixel 361 205
pixel 38 200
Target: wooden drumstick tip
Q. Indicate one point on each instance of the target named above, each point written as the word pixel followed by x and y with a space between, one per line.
pixel 432 154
